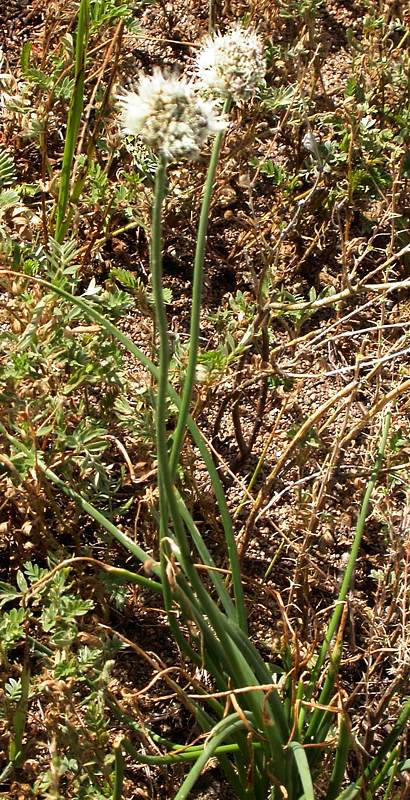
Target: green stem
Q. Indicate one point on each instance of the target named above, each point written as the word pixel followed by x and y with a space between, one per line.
pixel 185 754
pixel 164 483
pixel 340 762
pixel 189 379
pixel 167 497
pixel 74 117
pixel 390 742
pixel 393 773
pixel 118 774
pixel 223 730
pixel 160 317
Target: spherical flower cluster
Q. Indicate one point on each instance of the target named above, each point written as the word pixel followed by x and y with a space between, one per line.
pixel 232 65
pixel 169 116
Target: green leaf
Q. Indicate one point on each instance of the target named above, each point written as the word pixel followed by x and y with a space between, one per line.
pixel 11 626
pixel 8 199
pixel 72 607
pixel 7 174
pixel 25 57
pixel 167 295
pixel 277 99
pixel 350 793
pixel 125 277
pixel 7 593
pixel 13 690
pixel 34 572
pixel 61 257
pixel 303 769
pixel 21 581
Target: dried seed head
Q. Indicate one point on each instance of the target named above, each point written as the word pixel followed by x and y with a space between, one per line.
pixel 232 64
pixel 169 116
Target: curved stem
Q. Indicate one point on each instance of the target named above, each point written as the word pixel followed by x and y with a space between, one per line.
pixel 225 729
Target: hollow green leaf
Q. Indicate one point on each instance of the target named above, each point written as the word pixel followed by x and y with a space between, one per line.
pixel 302 765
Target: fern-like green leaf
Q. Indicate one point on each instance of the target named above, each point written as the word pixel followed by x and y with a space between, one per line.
pixel 62 257
pixel 8 199
pixel 7 173
pixel 125 277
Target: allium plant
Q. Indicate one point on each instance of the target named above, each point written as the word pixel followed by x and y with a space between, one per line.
pixel 278 733
pixel 231 65
pixel 271 742
pixel 170 116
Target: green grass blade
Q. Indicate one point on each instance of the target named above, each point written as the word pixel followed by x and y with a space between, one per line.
pixel 102 520
pixel 392 776
pixel 191 754
pixel 384 773
pixel 390 741
pixel 226 520
pixel 234 657
pixel 74 117
pixel 354 552
pixel 322 720
pixel 183 754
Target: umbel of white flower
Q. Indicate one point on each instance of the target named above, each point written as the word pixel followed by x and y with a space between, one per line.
pixel 169 116
pixel 232 64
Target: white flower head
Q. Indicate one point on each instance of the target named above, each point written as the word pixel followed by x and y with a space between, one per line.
pixel 232 64
pixel 169 116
